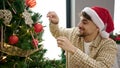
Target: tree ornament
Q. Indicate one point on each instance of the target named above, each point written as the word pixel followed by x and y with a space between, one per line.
pixel 13 39
pixel 35 43
pixel 31 3
pixel 27 17
pixel 38 27
pixel 3 59
pixel 6 16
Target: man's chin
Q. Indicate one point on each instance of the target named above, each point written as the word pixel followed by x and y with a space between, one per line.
pixel 81 35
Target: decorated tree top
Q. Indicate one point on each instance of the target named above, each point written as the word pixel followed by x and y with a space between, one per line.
pixel 20 28
pixel 21 35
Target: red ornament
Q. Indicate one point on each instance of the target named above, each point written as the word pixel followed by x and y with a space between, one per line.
pixel 35 43
pixel 13 39
pixel 31 3
pixel 38 27
pixel 117 38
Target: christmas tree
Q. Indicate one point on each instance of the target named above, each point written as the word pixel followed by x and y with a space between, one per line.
pixel 21 37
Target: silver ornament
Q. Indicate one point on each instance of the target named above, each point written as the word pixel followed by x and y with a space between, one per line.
pixel 27 17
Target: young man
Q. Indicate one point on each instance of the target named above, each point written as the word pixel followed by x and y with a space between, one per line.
pixel 88 45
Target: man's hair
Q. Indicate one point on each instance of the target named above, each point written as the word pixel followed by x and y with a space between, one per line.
pixel 84 14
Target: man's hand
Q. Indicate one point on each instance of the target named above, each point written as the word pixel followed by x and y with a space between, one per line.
pixel 65 44
pixel 53 18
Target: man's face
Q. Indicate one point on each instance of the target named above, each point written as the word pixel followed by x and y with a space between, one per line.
pixel 86 27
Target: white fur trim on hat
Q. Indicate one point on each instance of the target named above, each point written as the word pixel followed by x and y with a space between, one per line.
pixel 94 16
pixel 97 20
pixel 104 34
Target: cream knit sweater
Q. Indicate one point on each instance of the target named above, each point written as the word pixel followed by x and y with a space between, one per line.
pixel 102 51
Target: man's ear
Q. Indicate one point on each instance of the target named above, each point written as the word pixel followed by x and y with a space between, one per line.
pixel 98 28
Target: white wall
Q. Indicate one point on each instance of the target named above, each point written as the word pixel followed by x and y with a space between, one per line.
pixel 117 16
pixel 43 7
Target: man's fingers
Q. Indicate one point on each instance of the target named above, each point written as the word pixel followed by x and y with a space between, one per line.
pixel 60 43
pixel 51 14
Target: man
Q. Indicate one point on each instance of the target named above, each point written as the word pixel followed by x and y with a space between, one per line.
pixel 88 45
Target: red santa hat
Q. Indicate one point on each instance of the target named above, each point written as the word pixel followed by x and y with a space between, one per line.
pixel 102 18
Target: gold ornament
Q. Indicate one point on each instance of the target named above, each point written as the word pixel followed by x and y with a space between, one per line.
pixel 3 59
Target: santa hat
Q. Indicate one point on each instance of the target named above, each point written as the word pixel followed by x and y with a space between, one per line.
pixel 102 18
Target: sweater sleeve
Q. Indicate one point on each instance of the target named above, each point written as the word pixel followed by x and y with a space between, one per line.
pixel 104 59
pixel 60 31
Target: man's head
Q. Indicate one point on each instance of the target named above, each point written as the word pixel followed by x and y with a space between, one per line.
pixel 87 26
pixel 101 18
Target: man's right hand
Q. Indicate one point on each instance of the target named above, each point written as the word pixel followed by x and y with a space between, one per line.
pixel 53 18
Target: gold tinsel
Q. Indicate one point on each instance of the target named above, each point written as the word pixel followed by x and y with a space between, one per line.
pixel 15 51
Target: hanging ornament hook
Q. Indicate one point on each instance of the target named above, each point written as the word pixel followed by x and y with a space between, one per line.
pixel 12 7
pixel 1 42
pixel 4 4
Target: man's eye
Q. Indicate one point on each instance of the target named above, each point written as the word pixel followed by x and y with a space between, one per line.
pixel 84 22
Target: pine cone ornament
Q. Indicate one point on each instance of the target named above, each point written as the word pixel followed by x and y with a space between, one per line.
pixel 38 27
pixel 13 39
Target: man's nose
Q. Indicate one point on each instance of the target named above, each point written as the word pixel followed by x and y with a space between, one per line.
pixel 80 24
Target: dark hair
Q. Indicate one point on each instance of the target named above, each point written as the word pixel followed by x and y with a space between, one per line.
pixel 84 14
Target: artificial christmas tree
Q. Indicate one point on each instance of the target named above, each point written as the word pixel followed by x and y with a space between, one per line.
pixel 21 35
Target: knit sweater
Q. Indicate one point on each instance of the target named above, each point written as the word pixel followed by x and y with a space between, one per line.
pixel 102 51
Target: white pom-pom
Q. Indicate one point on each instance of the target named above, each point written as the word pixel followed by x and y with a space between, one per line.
pixel 104 34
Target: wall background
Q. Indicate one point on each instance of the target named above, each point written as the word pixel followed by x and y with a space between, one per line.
pixel 78 5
